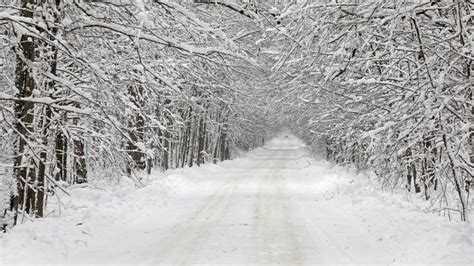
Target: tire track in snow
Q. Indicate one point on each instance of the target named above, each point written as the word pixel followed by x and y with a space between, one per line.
pixel 274 229
pixel 186 237
pixel 272 212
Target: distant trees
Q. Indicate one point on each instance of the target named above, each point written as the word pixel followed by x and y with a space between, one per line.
pixel 387 85
pixel 96 89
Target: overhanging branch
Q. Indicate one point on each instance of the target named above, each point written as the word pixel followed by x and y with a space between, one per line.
pixel 235 8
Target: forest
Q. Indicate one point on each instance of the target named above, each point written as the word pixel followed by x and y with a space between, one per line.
pixel 94 91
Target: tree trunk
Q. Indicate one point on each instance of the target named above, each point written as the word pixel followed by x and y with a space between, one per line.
pixel 166 151
pixel 23 166
pixel 46 119
pixel 45 124
pixel 192 142
pixel 136 124
pixel 201 142
pixel 61 154
pixel 223 142
pixel 80 167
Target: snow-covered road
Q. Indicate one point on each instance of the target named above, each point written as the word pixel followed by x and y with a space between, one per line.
pixel 256 217
pixel 248 219
pixel 275 206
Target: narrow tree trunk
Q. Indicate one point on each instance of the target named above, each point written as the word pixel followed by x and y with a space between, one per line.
pixel 201 142
pixel 227 151
pixel 184 145
pixel 192 143
pixel 61 155
pixel 165 154
pixel 223 142
pixel 215 154
pixel 45 124
pixel 23 167
pixel 136 125
pixel 80 166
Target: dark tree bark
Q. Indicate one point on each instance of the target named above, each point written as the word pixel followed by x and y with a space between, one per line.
pixel 223 142
pixel 192 142
pixel 80 167
pixel 201 142
pixel 411 172
pixel 23 166
pixel 136 125
pixel 61 154
pixel 186 140
pixel 45 124
pixel 165 156
pixel 166 151
pixel 227 151
pixel 215 153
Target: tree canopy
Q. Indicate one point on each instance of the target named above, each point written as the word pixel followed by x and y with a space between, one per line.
pixel 92 90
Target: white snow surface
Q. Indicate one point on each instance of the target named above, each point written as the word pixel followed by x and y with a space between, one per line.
pixel 276 205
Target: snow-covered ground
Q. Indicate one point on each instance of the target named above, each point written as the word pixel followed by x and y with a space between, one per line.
pixel 275 205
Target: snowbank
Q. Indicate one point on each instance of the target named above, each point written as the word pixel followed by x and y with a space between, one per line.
pixel 398 222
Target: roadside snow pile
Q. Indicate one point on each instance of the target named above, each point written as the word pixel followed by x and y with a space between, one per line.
pixel 393 219
pixel 70 225
pixel 398 221
pixel 92 218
